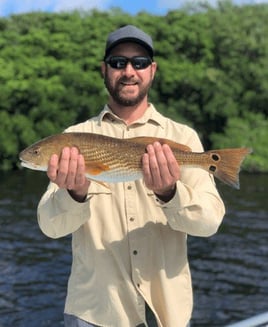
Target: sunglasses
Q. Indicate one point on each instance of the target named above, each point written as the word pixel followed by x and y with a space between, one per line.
pixel 120 62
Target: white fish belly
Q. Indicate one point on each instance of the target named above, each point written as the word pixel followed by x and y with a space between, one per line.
pixel 115 177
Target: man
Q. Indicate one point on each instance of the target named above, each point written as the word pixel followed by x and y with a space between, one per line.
pixel 130 263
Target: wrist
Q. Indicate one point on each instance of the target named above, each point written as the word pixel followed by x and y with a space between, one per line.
pixel 166 195
pixel 76 196
pixel 80 194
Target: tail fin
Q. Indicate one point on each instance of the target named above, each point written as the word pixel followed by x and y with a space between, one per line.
pixel 228 164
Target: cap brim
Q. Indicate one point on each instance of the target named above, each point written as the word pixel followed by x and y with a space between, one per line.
pixel 130 39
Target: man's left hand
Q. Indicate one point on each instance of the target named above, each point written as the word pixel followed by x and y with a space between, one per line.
pixel 160 170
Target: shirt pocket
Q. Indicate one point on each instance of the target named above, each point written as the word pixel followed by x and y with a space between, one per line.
pixel 98 188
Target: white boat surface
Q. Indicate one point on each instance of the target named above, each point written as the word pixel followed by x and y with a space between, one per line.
pixel 260 320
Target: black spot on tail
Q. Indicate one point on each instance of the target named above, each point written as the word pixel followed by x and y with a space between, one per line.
pixel 215 157
pixel 212 168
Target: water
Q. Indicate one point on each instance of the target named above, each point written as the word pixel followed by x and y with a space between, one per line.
pixel 229 270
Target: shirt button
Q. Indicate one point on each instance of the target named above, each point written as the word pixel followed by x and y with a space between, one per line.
pixel 135 252
pixel 129 187
pixel 131 218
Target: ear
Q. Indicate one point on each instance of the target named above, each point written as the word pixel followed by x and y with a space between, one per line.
pixel 154 68
pixel 103 69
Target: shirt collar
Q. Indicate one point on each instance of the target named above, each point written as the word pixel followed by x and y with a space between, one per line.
pixel 151 115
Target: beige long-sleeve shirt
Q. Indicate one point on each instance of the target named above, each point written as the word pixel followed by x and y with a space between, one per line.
pixel 128 247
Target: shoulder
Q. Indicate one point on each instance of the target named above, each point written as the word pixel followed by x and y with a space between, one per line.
pixel 180 132
pixel 85 127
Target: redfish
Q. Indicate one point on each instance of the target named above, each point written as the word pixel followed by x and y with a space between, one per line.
pixel 113 160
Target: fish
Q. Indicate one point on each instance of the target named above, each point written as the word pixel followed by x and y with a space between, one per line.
pixel 113 160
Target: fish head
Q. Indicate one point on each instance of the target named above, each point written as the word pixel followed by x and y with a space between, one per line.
pixel 37 155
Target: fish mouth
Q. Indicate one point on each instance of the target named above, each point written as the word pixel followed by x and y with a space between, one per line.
pixel 30 165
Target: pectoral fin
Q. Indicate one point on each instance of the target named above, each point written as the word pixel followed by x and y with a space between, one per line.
pixel 96 168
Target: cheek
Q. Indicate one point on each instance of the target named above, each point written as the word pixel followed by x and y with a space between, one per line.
pixel 110 81
pixel 147 79
pixel 147 75
pixel 152 73
pixel 112 76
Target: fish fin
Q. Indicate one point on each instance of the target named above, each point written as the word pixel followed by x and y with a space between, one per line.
pixel 96 168
pixel 145 140
pixel 226 164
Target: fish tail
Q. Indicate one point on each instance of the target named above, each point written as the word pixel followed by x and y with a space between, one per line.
pixel 226 164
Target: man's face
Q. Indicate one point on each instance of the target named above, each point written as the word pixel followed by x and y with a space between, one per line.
pixel 128 86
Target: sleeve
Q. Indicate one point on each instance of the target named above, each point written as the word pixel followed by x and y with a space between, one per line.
pixel 58 214
pixel 196 208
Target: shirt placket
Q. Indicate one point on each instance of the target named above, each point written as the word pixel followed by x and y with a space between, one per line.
pixel 134 242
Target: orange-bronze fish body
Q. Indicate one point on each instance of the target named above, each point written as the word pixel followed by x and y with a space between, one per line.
pixel 112 160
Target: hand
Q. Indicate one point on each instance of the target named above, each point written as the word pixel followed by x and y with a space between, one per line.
pixel 160 170
pixel 68 171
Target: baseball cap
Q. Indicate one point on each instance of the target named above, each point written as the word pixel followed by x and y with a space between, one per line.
pixel 129 33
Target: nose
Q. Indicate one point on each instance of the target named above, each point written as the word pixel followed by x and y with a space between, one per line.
pixel 129 70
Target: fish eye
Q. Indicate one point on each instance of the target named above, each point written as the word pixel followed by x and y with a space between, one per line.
pixel 36 151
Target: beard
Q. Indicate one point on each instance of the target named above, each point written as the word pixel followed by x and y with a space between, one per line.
pixel 126 99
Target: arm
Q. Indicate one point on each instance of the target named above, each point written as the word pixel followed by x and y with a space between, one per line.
pixel 62 209
pixel 189 198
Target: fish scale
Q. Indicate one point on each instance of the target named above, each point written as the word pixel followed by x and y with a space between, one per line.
pixel 125 167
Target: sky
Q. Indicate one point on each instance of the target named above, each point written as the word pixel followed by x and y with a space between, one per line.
pixel 155 7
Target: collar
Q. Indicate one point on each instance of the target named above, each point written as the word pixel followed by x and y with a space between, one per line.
pixel 150 115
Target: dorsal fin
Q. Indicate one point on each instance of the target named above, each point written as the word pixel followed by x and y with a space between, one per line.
pixel 145 140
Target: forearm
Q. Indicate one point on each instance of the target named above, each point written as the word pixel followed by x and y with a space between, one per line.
pixel 59 214
pixel 195 210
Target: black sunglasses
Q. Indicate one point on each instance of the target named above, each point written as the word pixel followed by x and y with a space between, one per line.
pixel 120 62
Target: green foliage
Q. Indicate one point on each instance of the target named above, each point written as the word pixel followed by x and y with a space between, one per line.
pixel 212 73
pixel 248 131
pixel 15 131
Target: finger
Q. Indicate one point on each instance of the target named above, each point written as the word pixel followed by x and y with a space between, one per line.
pixel 52 168
pixel 72 168
pixel 146 170
pixel 153 163
pixel 161 161
pixel 80 174
pixel 172 163
pixel 63 167
pixel 154 177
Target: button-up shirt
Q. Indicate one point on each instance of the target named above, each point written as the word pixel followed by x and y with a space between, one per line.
pixel 128 246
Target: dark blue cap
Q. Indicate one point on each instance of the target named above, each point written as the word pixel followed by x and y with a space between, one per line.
pixel 129 33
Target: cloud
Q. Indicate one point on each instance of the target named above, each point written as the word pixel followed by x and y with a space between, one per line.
pixel 22 6
pixel 66 5
pixel 17 6
pixel 8 7
pixel 174 4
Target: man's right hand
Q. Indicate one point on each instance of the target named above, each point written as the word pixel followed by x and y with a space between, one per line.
pixel 68 171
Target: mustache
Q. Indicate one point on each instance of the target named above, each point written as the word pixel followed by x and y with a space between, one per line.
pixel 125 79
